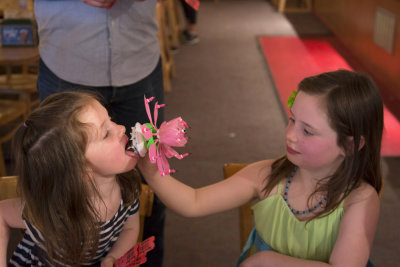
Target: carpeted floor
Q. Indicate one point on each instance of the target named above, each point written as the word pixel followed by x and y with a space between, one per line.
pixel 224 90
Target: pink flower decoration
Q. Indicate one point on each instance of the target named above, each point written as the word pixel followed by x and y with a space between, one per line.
pixel 171 133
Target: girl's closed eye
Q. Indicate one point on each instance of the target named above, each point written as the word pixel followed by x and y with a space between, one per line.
pixel 307 132
pixel 107 133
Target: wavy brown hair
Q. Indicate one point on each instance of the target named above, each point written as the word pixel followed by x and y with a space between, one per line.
pixel 355 111
pixel 51 165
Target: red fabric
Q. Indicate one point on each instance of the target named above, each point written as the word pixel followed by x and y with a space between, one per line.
pixel 193 3
pixel 292 59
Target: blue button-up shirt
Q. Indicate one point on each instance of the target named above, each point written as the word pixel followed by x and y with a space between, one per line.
pixel 98 47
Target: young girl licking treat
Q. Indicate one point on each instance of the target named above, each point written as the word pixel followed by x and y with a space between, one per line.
pixel 318 204
pixel 76 206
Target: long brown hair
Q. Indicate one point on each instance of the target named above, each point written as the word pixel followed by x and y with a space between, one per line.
pixel 355 111
pixel 51 165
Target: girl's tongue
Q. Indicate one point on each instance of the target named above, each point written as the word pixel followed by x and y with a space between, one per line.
pixel 130 151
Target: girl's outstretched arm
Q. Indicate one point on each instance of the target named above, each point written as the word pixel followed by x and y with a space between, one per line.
pixel 10 217
pixel 189 202
pixel 126 240
pixel 354 242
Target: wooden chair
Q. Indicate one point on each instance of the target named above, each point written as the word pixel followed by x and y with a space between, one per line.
pixel 25 84
pixel 146 204
pixel 299 6
pixel 19 72
pixel 12 115
pixel 168 66
pixel 8 185
pixel 245 212
pixel 173 22
pixel 22 82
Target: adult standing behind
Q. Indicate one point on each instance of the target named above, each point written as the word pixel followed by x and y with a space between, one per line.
pixel 111 47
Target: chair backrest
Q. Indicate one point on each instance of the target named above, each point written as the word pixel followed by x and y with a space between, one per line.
pixel 167 60
pixel 245 212
pixel 146 204
pixel 8 185
pixel 12 115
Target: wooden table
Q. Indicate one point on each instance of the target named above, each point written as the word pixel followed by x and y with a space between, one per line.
pixel 18 55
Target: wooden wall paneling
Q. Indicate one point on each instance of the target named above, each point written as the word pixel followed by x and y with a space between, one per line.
pixel 353 23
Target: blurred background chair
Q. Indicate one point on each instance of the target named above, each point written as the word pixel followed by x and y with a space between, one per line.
pixel 8 185
pixel 168 67
pixel 12 116
pixel 23 82
pixel 18 71
pixel 173 23
pixel 18 93
pixel 245 212
pixel 146 204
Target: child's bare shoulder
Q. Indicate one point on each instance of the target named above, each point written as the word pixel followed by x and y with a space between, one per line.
pixel 365 193
pixel 258 169
pixel 257 172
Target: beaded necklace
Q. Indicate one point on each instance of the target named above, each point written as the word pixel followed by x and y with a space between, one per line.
pixel 294 211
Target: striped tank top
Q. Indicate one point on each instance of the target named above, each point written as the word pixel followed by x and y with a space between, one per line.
pixel 31 251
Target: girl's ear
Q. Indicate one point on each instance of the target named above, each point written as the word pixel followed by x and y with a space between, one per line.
pixel 350 144
pixel 362 143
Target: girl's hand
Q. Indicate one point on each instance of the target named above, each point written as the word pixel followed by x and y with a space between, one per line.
pixel 108 261
pixel 147 168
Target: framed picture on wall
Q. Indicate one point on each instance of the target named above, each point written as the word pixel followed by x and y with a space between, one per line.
pixel 18 32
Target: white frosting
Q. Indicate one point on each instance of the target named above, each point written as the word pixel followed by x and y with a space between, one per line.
pixel 138 141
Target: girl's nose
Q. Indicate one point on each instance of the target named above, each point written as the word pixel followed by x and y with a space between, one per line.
pixel 290 133
pixel 122 129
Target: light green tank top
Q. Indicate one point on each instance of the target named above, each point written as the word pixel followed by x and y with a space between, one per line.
pixel 284 233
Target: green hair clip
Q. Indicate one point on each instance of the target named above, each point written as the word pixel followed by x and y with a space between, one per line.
pixel 291 98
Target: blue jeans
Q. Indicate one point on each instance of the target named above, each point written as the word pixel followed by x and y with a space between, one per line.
pixel 125 105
